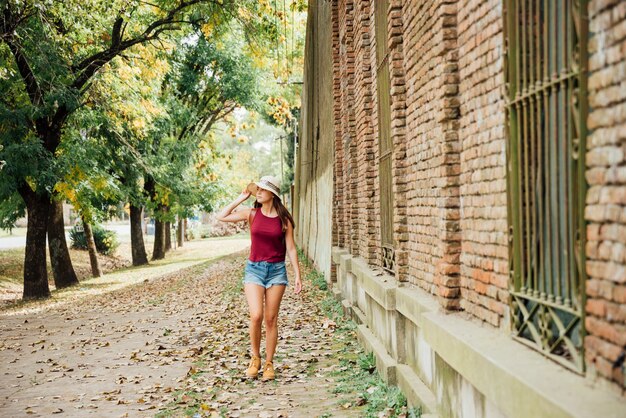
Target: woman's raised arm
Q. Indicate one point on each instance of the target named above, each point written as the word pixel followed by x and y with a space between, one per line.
pixel 226 215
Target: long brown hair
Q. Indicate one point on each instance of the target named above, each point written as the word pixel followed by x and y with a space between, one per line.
pixel 282 211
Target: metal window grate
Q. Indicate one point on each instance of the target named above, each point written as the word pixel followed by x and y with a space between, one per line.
pixel 546 49
pixel 384 135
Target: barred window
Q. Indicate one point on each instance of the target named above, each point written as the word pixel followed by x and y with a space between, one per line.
pixel 546 110
pixel 384 135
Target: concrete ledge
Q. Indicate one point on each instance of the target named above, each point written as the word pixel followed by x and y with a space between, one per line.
pixel 357 315
pixel 347 307
pixel 385 364
pixel 413 304
pixel 518 380
pixel 380 288
pixel 515 379
pixel 416 392
pixel 342 257
pixel 336 252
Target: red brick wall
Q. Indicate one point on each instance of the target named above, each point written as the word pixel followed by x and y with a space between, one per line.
pixel 484 265
pixel 400 166
pixel 421 124
pixel 449 136
pixel 345 157
pixel 606 197
pixel 430 63
pixel 339 238
pixel 365 107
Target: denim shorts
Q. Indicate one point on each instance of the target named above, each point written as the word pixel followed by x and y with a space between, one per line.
pixel 265 274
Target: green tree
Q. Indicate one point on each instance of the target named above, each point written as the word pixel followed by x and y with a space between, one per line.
pixel 50 52
pixel 208 80
pixel 120 109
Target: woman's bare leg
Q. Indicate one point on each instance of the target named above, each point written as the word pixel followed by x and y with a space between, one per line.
pixel 254 296
pixel 273 296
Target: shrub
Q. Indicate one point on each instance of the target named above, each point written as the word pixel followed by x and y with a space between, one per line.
pixel 318 280
pixel 106 241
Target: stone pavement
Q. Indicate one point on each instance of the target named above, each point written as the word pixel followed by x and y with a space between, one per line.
pixel 176 345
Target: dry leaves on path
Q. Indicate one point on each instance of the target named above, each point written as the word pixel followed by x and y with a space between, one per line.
pixel 306 358
pixel 178 346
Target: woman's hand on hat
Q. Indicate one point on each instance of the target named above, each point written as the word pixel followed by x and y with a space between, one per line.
pixel 245 194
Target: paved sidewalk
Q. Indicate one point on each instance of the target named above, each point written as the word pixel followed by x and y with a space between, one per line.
pixel 176 345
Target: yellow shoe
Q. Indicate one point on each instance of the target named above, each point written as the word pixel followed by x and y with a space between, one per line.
pixel 253 368
pixel 268 372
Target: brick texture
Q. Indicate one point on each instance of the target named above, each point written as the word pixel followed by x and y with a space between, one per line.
pixel 432 119
pixel 484 266
pixel 445 150
pixel 400 167
pixel 605 210
pixel 339 235
pixel 345 156
pixel 448 128
pixel 365 106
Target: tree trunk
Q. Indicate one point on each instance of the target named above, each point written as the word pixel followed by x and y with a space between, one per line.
pixel 138 248
pixel 62 268
pixel 187 238
pixel 180 233
pixel 158 252
pixel 168 236
pixel 91 247
pixel 35 269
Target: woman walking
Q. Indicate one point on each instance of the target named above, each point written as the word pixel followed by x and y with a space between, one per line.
pixel 265 278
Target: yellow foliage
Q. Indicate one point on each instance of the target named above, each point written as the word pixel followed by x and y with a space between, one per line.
pixel 163 197
pixel 125 73
pixel 244 14
pixel 280 110
pixel 139 123
pixel 77 175
pixel 150 108
pixel 66 190
pixel 265 6
pixel 207 29
pixel 100 183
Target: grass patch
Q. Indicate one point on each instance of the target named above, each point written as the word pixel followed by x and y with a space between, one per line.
pixel 15 232
pixel 12 265
pixel 304 260
pixel 318 280
pixel 356 375
pixel 118 273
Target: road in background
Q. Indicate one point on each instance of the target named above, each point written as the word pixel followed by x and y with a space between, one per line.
pixel 18 239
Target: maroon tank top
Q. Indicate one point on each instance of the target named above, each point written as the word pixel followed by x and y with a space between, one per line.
pixel 268 240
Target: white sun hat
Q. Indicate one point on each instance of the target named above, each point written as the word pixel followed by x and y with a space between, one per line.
pixel 270 183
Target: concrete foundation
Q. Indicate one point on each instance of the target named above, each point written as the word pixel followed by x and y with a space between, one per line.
pixel 453 366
